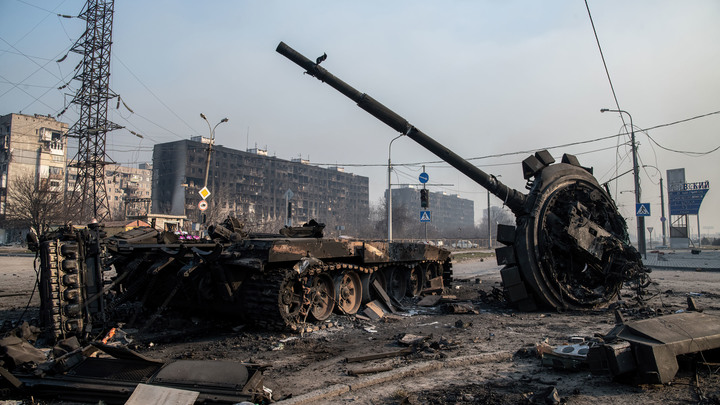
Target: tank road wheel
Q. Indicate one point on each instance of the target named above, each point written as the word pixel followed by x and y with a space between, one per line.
pixel 431 270
pixel 415 281
pixel 348 292
pixel 322 297
pixel 368 292
pixel 397 278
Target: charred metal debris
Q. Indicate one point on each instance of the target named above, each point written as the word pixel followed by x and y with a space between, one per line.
pixel 111 373
pixel 647 351
pixel 293 280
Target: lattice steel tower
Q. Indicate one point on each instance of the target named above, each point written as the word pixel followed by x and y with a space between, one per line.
pixel 89 194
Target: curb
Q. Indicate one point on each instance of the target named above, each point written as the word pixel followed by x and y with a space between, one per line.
pixel 397 374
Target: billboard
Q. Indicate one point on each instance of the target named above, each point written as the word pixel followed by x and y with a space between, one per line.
pixel 685 198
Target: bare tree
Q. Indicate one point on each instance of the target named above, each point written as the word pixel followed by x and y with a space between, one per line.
pixel 35 203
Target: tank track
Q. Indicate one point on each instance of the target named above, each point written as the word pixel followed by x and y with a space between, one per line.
pixel 280 298
pixel 60 289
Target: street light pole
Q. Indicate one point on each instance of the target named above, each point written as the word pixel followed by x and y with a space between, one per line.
pixel 662 204
pixel 389 191
pixel 636 175
pixel 209 149
pixel 210 145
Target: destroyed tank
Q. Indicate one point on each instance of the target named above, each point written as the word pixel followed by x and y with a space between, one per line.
pixel 293 280
pixel 569 248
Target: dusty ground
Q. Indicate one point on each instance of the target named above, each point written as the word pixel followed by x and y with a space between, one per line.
pixel 300 364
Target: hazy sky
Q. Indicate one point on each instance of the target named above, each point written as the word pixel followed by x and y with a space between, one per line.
pixel 481 77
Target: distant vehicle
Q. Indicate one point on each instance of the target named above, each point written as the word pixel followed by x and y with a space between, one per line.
pixel 463 244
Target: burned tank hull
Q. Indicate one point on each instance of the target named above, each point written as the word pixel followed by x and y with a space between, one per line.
pixel 275 281
pixel 569 248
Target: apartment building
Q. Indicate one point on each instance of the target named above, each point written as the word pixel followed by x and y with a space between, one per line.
pixel 449 213
pixel 31 147
pixel 253 186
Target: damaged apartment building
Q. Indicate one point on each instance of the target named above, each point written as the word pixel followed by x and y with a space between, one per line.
pixel 253 187
pixel 32 148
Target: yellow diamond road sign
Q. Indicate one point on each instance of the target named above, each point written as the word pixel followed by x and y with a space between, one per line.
pixel 204 193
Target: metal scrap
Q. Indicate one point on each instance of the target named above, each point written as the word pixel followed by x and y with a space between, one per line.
pixel 647 350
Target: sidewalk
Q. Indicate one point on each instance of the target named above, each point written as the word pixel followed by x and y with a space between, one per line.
pixel 683 259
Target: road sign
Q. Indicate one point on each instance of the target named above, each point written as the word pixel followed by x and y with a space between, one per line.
pixel 204 193
pixel 424 177
pixel 289 194
pixel 642 210
pixel 650 229
pixel 425 216
pixel 663 219
pixel 202 205
pixel 686 201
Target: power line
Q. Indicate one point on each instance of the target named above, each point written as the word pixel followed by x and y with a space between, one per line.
pixel 602 56
pixel 154 95
pixel 687 153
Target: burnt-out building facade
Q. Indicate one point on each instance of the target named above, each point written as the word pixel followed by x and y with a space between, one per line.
pixel 253 187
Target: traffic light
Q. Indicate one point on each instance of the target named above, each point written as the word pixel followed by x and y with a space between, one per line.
pixel 424 198
pixel 289 214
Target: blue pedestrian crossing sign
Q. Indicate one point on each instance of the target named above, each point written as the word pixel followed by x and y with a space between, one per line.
pixel 425 216
pixel 642 210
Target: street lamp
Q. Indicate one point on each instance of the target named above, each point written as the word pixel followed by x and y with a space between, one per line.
pixel 389 190
pixel 636 175
pixel 662 204
pixel 210 145
pixel 210 148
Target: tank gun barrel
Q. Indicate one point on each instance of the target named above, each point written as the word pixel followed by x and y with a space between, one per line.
pixel 514 199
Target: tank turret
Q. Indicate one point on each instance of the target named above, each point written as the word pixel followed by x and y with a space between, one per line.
pixel 569 248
